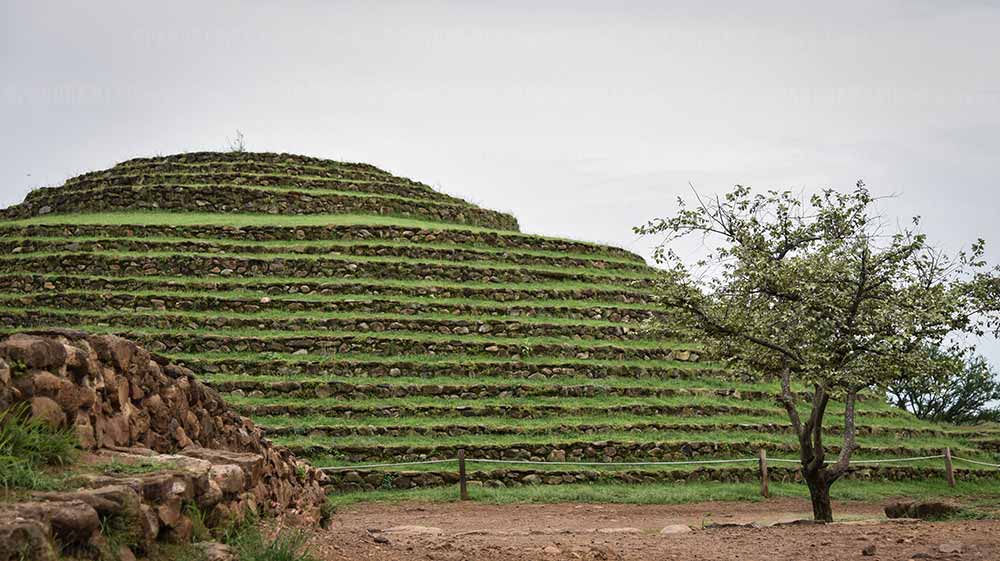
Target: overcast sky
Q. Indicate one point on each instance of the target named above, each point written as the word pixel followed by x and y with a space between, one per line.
pixel 582 118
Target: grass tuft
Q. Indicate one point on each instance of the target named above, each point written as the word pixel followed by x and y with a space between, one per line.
pixel 28 445
pixel 288 545
pixel 116 467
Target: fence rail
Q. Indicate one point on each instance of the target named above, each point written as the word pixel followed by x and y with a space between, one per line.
pixel 762 462
pixel 611 464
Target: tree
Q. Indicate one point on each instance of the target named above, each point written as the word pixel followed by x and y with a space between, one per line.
pixel 820 295
pixel 953 389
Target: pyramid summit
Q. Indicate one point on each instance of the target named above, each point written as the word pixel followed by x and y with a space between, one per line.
pixel 255 183
pixel 362 317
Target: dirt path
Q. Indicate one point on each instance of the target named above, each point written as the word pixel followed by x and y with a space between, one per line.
pixel 472 531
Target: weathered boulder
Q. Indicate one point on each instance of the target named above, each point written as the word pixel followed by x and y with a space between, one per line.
pixel 22 538
pixel 228 477
pixel 46 383
pixel 148 523
pixel 70 522
pixel 48 411
pixel 108 500
pixel 33 352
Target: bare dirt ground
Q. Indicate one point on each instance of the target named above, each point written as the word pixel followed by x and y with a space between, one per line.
pixel 472 531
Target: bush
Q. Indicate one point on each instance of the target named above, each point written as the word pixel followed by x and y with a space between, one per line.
pixel 27 445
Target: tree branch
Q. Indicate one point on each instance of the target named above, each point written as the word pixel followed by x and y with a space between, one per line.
pixel 719 327
pixel 815 427
pixel 787 399
pixel 850 445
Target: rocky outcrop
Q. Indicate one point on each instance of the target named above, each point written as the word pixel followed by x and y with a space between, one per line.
pixel 186 458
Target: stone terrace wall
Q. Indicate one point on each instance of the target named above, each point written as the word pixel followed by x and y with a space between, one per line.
pixel 372 233
pixel 308 268
pixel 245 167
pixel 116 395
pixel 239 177
pixel 370 480
pixel 29 282
pixel 267 157
pixel 228 198
pixel 353 250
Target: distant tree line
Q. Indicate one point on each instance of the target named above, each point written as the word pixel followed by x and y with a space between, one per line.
pixel 951 388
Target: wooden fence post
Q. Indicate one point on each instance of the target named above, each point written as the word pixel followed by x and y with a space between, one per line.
pixel 764 491
pixel 463 491
pixel 948 467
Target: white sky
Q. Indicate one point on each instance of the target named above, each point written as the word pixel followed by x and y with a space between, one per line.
pixel 582 118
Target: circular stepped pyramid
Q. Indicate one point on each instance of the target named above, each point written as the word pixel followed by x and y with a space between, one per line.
pixel 362 317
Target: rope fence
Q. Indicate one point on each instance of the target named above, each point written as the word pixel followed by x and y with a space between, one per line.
pixel 677 463
pixel 762 462
pixel 616 464
pixel 977 462
pixel 396 464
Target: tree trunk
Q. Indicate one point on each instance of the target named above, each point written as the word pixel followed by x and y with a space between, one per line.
pixel 819 493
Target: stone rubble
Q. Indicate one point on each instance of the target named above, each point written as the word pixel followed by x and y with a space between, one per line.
pixel 198 461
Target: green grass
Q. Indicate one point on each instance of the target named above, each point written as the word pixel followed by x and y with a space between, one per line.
pixel 287 545
pixel 847 490
pixel 488 305
pixel 27 446
pixel 9 304
pixel 446 359
pixel 706 384
pixel 170 283
pixel 727 464
pixel 566 402
pixel 627 425
pixel 960 447
pixel 330 165
pixel 248 540
pixel 625 275
pixel 389 179
pixel 295 246
pixel 144 466
pixel 207 359
pixel 412 336
pixel 164 218
pixel 312 191
pixel 765 406
pixel 327 165
pixel 556 424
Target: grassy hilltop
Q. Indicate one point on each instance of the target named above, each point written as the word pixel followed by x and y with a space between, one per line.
pixel 363 317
